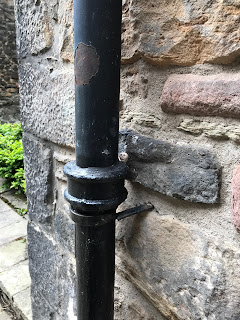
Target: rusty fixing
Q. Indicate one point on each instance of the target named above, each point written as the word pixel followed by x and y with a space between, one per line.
pixel 86 63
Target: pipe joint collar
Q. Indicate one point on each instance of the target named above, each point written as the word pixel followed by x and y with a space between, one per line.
pixel 95 188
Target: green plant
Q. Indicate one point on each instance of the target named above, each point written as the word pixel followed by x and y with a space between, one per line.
pixel 11 157
pixel 22 212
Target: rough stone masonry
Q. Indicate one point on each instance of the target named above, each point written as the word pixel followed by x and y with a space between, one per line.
pixel 9 97
pixel 179 113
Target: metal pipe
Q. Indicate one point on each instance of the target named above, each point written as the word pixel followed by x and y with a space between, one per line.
pixel 97 41
pixel 96 178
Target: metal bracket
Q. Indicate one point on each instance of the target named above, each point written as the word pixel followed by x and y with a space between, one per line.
pixel 130 212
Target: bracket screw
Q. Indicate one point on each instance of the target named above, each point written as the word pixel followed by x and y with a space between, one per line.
pixel 123 157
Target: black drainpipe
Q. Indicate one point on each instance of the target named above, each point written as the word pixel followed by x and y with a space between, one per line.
pixel 96 179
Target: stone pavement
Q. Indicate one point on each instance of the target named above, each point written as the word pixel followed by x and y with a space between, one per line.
pixel 4 315
pixel 14 274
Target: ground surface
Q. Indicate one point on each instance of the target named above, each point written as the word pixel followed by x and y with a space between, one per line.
pixel 14 274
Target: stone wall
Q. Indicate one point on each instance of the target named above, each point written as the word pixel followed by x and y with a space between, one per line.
pixel 180 127
pixel 9 97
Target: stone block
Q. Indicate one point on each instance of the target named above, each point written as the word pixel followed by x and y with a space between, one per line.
pixel 141 119
pixel 38 171
pixel 47 111
pixel 65 14
pixel 41 310
pixel 236 197
pixel 184 273
pixel 42 252
pixel 179 32
pixel 211 129
pixel 53 277
pixel 67 287
pixel 213 95
pixel 9 100
pixel 186 172
pixel 65 230
pixel 34 27
pixel 130 304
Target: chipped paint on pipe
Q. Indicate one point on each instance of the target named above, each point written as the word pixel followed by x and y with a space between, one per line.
pixel 86 63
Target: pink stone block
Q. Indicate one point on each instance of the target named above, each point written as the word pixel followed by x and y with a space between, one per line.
pixel 213 95
pixel 236 197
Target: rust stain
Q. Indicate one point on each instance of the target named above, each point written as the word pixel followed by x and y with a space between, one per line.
pixel 86 63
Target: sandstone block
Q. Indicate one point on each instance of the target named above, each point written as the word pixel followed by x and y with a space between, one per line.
pixel 186 172
pixel 210 129
pixel 141 119
pixel 130 304
pixel 184 273
pixel 34 27
pixel 38 170
pixel 65 15
pixel 47 111
pixel 181 33
pixel 214 95
pixel 236 197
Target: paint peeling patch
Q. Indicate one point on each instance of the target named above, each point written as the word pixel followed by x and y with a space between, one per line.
pixel 86 63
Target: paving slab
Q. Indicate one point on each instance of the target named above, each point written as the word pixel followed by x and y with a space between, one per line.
pixel 5 316
pixel 14 273
pixel 17 201
pixel 4 206
pixel 13 231
pixel 12 253
pixel 7 215
pixel 15 279
pixel 22 304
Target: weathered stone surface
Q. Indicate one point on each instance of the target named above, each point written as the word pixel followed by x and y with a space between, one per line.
pixel 130 304
pixel 42 252
pixel 141 119
pixel 47 111
pixel 134 82
pixel 180 171
pixel 210 129
pixel 181 33
pixel 40 307
pixel 236 197
pixel 65 17
pixel 65 230
pixel 214 95
pixel 53 277
pixel 67 287
pixel 181 271
pixel 34 26
pixel 38 171
pixel 9 98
